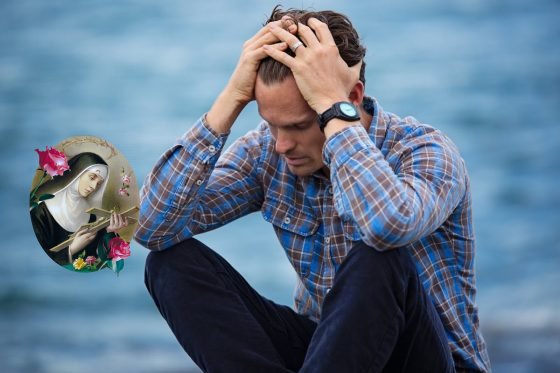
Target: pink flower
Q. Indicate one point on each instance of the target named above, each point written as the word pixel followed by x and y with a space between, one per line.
pixel 91 260
pixel 125 179
pixel 52 161
pixel 118 249
pixel 123 192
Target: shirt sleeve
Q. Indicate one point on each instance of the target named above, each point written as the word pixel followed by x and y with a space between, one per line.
pixel 398 199
pixel 188 191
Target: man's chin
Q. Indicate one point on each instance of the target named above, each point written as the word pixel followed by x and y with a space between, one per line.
pixel 301 171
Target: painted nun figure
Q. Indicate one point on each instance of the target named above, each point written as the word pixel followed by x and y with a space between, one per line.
pixel 55 219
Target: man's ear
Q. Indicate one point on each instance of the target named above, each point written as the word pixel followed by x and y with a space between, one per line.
pixel 357 94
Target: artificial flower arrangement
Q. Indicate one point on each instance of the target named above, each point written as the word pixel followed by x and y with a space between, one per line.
pixel 112 250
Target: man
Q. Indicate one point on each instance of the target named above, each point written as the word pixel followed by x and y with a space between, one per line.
pixel 373 211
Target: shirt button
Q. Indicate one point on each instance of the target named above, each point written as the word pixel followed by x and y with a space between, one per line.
pixel 327 239
pixel 212 148
pixel 199 182
pixel 330 190
pixel 287 220
pixel 328 290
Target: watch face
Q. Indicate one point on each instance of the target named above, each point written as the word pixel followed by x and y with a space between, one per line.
pixel 348 109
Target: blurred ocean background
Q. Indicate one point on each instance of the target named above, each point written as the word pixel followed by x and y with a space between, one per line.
pixel 139 73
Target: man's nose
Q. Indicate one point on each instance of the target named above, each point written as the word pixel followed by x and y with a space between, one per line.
pixel 284 143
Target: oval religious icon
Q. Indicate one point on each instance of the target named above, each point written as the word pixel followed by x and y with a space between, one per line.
pixel 84 204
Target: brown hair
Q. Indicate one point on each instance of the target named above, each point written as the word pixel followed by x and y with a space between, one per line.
pixel 344 35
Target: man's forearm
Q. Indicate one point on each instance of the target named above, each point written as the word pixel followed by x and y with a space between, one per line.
pixel 224 112
pixel 171 190
pixel 393 209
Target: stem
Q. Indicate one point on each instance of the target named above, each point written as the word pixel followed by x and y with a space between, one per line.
pixel 102 265
pixel 40 182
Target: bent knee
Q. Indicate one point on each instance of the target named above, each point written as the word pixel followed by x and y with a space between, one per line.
pixel 397 258
pixel 177 257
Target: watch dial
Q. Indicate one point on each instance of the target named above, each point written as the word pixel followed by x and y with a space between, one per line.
pixel 348 109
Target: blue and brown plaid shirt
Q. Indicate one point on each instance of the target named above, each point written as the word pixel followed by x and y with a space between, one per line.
pixel 402 183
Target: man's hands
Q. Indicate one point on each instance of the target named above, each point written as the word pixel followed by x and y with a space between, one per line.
pixel 322 76
pixel 242 82
pixel 240 89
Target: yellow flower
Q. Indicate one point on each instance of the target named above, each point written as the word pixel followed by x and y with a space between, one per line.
pixel 79 263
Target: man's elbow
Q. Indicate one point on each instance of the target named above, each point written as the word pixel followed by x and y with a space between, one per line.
pixel 384 237
pixel 154 243
pixel 380 244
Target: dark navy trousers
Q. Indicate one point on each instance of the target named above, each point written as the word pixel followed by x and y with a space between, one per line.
pixel 376 318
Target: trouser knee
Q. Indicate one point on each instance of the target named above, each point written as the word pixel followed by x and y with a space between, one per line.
pixel 166 267
pixel 368 266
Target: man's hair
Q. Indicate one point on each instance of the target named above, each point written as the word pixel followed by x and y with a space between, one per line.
pixel 344 35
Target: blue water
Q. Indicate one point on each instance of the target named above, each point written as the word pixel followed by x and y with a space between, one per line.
pixel 138 73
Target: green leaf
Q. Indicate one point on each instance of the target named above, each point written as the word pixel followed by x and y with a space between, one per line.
pixel 44 197
pixel 103 246
pixel 108 264
pixel 120 266
pixel 101 252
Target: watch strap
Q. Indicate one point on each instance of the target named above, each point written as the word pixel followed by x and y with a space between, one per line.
pixel 335 112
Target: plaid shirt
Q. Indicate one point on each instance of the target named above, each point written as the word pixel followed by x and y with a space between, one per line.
pixel 402 183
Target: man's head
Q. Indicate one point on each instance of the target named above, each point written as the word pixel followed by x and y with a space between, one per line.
pixel 292 122
pixel 344 35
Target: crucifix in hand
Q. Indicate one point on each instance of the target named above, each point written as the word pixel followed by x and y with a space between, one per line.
pixel 103 220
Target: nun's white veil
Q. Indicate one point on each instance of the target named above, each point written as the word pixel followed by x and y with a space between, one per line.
pixel 68 206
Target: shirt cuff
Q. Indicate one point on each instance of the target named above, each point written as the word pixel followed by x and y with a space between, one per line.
pixel 344 144
pixel 202 143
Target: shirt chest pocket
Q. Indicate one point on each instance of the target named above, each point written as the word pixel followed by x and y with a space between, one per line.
pixel 286 217
pixel 295 229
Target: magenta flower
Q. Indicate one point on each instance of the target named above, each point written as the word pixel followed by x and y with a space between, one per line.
pixel 52 161
pixel 118 249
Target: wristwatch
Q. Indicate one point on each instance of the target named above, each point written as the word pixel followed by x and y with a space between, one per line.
pixel 341 110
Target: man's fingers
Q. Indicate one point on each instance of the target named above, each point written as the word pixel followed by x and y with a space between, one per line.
pixel 321 30
pixel 307 35
pixel 261 32
pixel 267 38
pixel 261 53
pixel 285 36
pixel 279 55
pixel 289 24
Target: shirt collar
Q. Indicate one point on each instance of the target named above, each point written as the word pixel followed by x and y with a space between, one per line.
pixel 378 126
